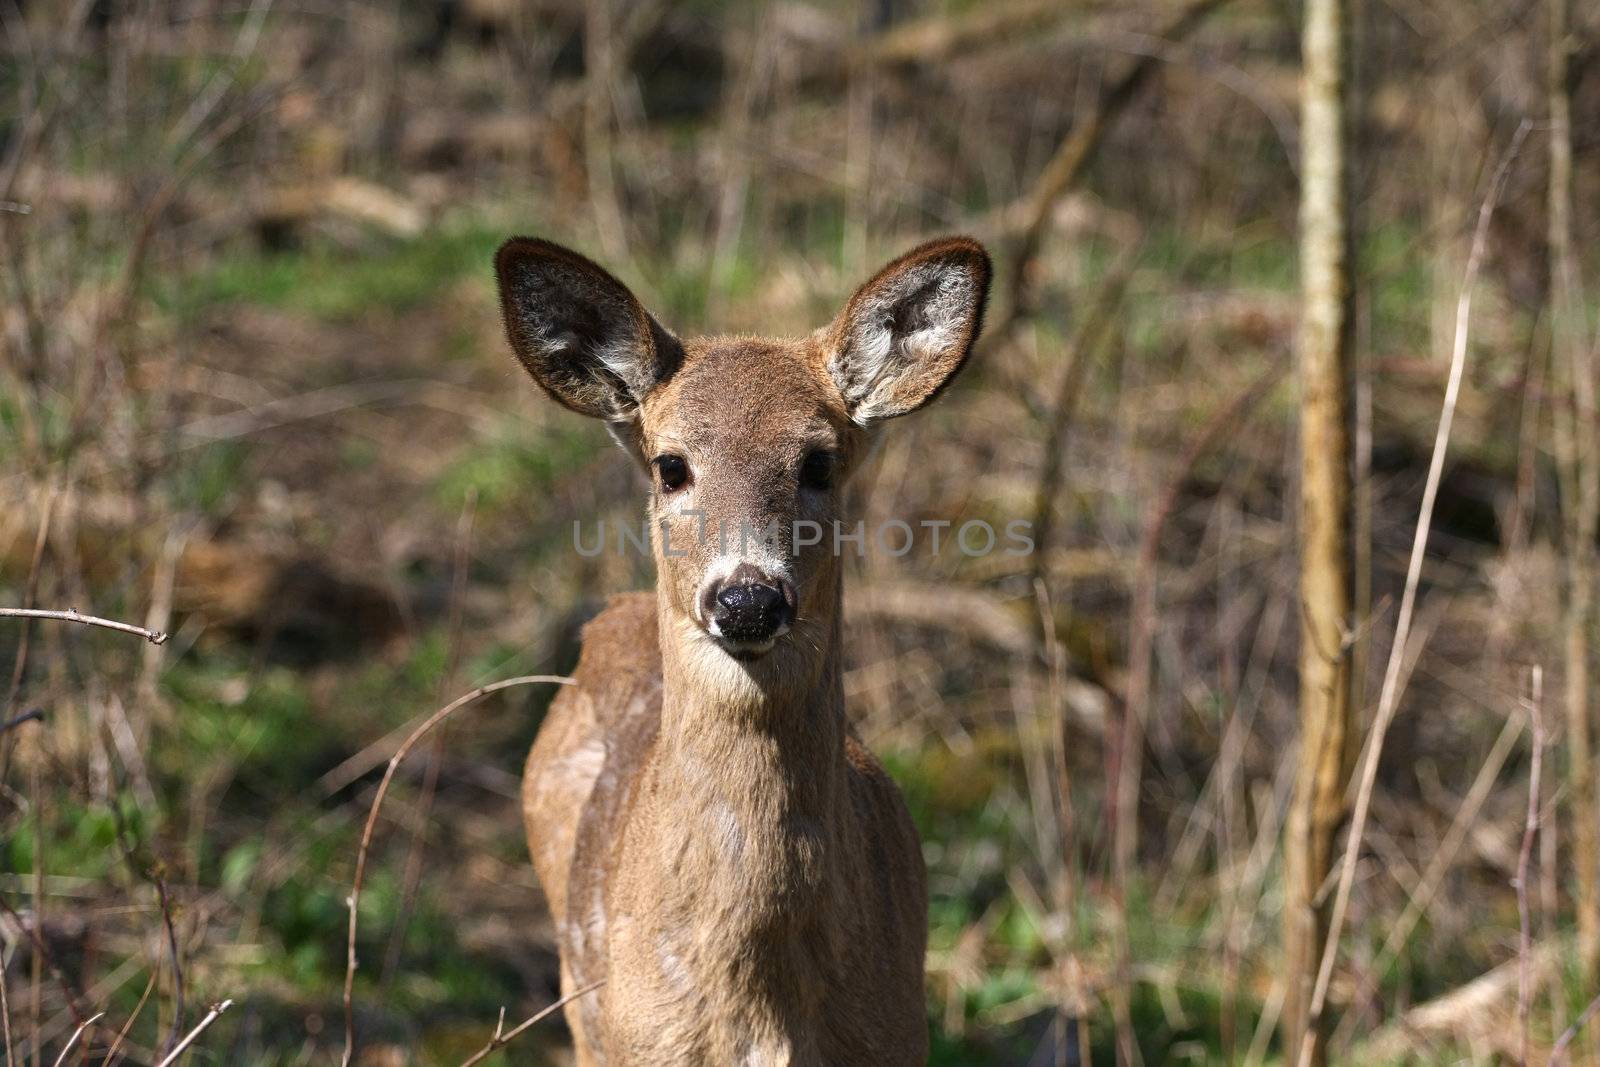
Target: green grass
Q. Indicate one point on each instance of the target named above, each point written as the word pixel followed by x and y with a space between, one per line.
pixel 273 734
pixel 209 479
pixel 80 839
pixel 335 284
pixel 517 463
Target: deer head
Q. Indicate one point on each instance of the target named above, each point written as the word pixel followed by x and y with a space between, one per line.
pixel 748 441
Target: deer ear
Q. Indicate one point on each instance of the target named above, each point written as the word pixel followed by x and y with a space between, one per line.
pixel 581 334
pixel 906 333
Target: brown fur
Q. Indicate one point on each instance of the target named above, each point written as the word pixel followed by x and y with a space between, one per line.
pixel 714 841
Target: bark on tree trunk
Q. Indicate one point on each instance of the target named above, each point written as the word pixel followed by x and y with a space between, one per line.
pixel 1578 448
pixel 1325 589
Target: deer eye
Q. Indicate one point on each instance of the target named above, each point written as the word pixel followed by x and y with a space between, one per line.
pixel 817 471
pixel 673 472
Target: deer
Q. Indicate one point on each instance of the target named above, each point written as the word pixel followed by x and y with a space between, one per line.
pixel 721 854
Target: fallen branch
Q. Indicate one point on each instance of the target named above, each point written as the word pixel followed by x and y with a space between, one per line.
pixel 1475 1009
pixel 155 637
pixel 362 851
pixel 27 716
pixel 501 1039
pixel 211 1017
pixel 938 38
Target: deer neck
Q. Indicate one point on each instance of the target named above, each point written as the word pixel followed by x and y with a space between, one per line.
pixel 744 819
pixel 764 743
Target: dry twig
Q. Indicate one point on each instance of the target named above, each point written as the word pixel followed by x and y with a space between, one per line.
pixel 73 1040
pixel 127 1027
pixel 364 848
pixel 502 1038
pixel 177 959
pixel 5 1019
pixel 1086 346
pixel 430 785
pixel 1075 152
pixel 1142 624
pixel 211 1017
pixel 1559 1053
pixel 71 615
pixel 1388 697
pixel 28 716
pixel 1535 706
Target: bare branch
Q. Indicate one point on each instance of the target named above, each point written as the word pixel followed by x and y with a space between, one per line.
pixel 155 637
pixel 501 1040
pixel 938 38
pixel 28 716
pixel 1388 697
pixel 1074 154
pixel 177 957
pixel 73 1040
pixel 211 1017
pixel 1535 705
pixel 1559 1053
pixel 362 851
pixel 5 1019
pixel 127 1027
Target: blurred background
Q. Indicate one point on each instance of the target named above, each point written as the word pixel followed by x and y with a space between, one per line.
pixel 254 392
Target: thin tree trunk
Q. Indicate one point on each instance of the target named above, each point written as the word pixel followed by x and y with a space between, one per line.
pixel 1579 452
pixel 1325 588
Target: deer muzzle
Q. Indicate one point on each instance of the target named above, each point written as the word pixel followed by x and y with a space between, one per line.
pixel 749 609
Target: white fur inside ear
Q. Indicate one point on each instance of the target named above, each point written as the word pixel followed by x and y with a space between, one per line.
pixel 627 359
pixel 905 339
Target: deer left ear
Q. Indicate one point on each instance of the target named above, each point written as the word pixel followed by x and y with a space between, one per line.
pixel 906 333
pixel 579 332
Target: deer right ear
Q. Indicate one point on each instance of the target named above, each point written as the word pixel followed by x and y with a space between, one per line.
pixel 578 331
pixel 906 333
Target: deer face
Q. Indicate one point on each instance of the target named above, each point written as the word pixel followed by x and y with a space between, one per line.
pixel 748 442
pixel 748 446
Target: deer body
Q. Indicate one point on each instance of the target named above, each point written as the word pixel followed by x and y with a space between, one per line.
pixel 715 843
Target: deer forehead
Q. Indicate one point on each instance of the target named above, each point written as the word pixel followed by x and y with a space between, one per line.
pixel 737 399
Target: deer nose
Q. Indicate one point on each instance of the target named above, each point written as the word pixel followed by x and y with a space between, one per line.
pixel 750 607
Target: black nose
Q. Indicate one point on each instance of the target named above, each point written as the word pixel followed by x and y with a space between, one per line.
pixel 751 610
